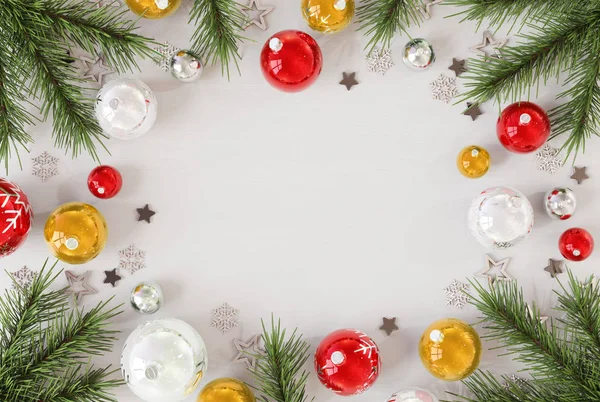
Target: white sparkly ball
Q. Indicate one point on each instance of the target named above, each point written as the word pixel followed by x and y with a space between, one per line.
pixel 126 108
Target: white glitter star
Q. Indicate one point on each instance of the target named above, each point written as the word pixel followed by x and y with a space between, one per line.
pixel 549 159
pixel 444 88
pixel 45 166
pixel 225 318
pixel 380 61
pixel 23 277
pixel 132 259
pixel 167 51
pixel 456 295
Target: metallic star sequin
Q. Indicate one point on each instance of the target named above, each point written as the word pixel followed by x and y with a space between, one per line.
pixel 379 61
pixel 225 318
pixel 444 88
pixel 457 294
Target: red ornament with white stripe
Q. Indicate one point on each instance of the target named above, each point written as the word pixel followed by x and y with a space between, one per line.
pixel 347 362
pixel 16 217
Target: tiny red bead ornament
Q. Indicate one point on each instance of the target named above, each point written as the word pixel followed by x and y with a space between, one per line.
pixel 576 244
pixel 291 61
pixel 347 362
pixel 523 127
pixel 105 181
pixel 16 217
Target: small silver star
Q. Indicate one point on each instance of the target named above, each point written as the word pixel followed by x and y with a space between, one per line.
pixel 497 269
pixel 79 285
pixel 549 159
pixel 444 88
pixel 244 354
pixel 166 50
pixel 488 40
pixel 425 8
pixel 456 294
pixel 379 61
pixel 255 8
pixel 95 69
pixel 542 318
pixel 554 267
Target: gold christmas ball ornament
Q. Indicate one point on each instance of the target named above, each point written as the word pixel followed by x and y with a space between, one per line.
pixel 473 162
pixel 328 15
pixel 153 9
pixel 450 349
pixel 76 232
pixel 226 390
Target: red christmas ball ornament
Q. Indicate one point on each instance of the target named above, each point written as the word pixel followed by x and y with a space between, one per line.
pixel 16 217
pixel 347 362
pixel 576 244
pixel 291 61
pixel 523 127
pixel 105 181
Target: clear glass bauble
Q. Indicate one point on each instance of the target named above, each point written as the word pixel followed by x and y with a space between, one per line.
pixel 418 54
pixel 500 217
pixel 164 360
pixel 185 66
pixel 126 108
pixel 413 395
pixel 146 297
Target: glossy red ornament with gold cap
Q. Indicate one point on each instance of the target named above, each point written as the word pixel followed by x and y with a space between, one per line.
pixel 105 181
pixel 523 127
pixel 576 244
pixel 16 217
pixel 291 61
pixel 347 362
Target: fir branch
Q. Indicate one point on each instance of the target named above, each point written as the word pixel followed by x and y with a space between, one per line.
pixel 218 26
pixel 278 371
pixel 382 19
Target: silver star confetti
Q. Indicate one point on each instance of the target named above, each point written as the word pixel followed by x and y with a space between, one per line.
pixel 549 159
pixel 456 295
pixel 95 69
pixel 494 271
pixel 379 61
pixel 167 51
pixel 425 8
pixel 79 285
pixel 23 277
pixel 45 166
pixel 132 259
pixel 225 318
pixel 488 40
pixel 444 88
pixel 247 351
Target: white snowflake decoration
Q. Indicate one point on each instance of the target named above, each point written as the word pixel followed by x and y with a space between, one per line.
pixel 380 61
pixel 45 166
pixel 132 259
pixel 444 88
pixel 549 159
pixel 167 51
pixel 456 295
pixel 24 277
pixel 225 318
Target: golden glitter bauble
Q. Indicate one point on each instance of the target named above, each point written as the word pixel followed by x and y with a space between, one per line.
pixel 226 390
pixel 153 9
pixel 473 162
pixel 450 349
pixel 76 232
pixel 328 15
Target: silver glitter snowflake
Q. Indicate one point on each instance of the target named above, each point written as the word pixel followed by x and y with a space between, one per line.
pixel 24 277
pixel 166 51
pixel 518 381
pixel 444 88
pixel 132 259
pixel 45 166
pixel 380 61
pixel 502 245
pixel 549 159
pixel 225 318
pixel 456 294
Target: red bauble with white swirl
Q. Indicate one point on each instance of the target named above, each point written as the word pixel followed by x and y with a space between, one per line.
pixel 16 217
pixel 576 244
pixel 347 362
pixel 523 127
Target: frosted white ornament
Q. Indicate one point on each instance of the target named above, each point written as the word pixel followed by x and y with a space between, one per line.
pixel 163 360
pixel 500 217
pixel 413 395
pixel 126 108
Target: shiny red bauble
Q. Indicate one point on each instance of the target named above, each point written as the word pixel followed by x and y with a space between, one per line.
pixel 105 181
pixel 347 362
pixel 16 217
pixel 291 61
pixel 523 127
pixel 576 244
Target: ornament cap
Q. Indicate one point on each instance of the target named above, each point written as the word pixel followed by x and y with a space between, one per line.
pixel 152 372
pixel 340 5
pixel 162 4
pixel 338 357
pixel 525 118
pixel 114 103
pixel 275 44
pixel 72 243
pixel 436 336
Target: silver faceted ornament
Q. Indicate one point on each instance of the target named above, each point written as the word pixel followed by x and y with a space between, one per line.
pixel 418 54
pixel 146 298
pixel 560 203
pixel 185 66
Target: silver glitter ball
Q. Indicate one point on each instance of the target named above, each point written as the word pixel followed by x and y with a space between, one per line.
pixel 185 66
pixel 418 54
pixel 560 203
pixel 146 297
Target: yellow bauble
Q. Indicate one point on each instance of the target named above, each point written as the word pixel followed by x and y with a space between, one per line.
pixel 450 349
pixel 153 9
pixel 328 15
pixel 76 232
pixel 226 390
pixel 473 162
